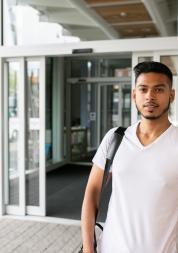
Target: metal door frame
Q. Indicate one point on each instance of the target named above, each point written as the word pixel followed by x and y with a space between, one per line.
pixel 22 208
pixel 93 80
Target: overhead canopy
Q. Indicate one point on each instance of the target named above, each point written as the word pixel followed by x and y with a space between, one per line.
pixel 110 19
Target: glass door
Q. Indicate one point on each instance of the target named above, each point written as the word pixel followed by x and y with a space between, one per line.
pixel 96 108
pixel 24 170
pixel 13 138
pixel 83 121
pixel 35 137
pixel 115 106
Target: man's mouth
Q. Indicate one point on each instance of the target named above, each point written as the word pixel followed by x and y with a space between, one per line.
pixel 150 105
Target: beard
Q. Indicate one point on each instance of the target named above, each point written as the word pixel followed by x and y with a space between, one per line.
pixel 165 110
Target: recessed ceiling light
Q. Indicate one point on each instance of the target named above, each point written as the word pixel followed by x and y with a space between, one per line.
pixel 146 30
pixel 123 14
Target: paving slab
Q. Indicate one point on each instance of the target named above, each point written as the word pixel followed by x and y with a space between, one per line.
pixel 29 236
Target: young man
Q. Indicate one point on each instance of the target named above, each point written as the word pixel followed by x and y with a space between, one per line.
pixel 143 210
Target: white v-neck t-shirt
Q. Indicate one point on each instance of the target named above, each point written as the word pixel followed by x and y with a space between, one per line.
pixel 143 210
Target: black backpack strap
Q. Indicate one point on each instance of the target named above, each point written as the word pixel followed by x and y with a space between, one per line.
pixel 113 147
pixel 120 131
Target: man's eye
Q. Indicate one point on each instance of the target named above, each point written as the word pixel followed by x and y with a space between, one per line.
pixel 142 89
pixel 159 90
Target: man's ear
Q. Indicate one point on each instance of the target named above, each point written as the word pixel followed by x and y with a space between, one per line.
pixel 172 95
pixel 133 95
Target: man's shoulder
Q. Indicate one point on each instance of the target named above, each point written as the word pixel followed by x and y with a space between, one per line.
pixel 174 130
pixel 111 131
pixel 129 129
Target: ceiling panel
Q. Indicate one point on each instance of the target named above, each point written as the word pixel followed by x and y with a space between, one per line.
pixel 123 13
pixel 110 19
pixel 147 30
pixel 130 18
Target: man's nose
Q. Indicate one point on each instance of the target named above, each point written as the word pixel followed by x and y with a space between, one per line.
pixel 150 94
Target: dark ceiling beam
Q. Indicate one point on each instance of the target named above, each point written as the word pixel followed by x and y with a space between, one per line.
pixel 110 3
pixel 159 14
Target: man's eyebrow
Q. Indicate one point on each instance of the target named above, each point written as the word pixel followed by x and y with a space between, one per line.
pixel 157 85
pixel 161 85
pixel 142 85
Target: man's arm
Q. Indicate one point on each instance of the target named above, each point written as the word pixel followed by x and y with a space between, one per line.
pixel 90 206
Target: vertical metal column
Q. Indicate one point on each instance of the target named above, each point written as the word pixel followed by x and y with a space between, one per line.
pixel 1 23
pixel 1 141
pixel 1 115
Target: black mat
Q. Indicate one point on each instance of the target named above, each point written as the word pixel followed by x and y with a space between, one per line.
pixel 65 191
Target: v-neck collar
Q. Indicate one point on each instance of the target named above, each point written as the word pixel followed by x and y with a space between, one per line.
pixel 137 141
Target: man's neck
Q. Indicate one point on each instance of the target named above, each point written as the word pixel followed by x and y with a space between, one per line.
pixel 149 130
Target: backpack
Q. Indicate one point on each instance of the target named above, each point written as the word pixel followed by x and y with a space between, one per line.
pixel 106 182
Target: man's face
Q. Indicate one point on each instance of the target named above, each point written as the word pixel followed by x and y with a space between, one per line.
pixel 153 95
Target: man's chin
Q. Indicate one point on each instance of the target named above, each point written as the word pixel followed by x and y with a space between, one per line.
pixel 153 115
pixel 150 117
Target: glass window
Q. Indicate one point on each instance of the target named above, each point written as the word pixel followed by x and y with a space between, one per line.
pixel 55 134
pixel 13 137
pixel 83 68
pixel 109 112
pixel 101 67
pixel 145 58
pixel 110 67
pixel 83 121
pixel 115 100
pixel 126 110
pixel 49 110
pixel 33 137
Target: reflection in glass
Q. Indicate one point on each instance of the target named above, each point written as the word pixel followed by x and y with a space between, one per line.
pixel 101 67
pixel 145 58
pixel 33 69
pixel 112 105
pixel 109 111
pixel 126 109
pixel 84 68
pixel 119 67
pixel 49 111
pixel 171 61
pixel 13 137
pixel 83 121
pixel 32 169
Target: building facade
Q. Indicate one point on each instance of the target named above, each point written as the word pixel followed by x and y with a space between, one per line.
pixel 57 100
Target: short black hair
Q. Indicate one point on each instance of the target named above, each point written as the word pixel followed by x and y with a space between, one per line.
pixel 152 66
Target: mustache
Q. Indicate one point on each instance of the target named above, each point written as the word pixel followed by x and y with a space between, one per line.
pixel 150 104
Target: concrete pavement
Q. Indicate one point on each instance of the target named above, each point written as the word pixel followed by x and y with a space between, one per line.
pixel 37 236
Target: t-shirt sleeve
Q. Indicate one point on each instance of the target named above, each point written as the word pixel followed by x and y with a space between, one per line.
pixel 100 157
